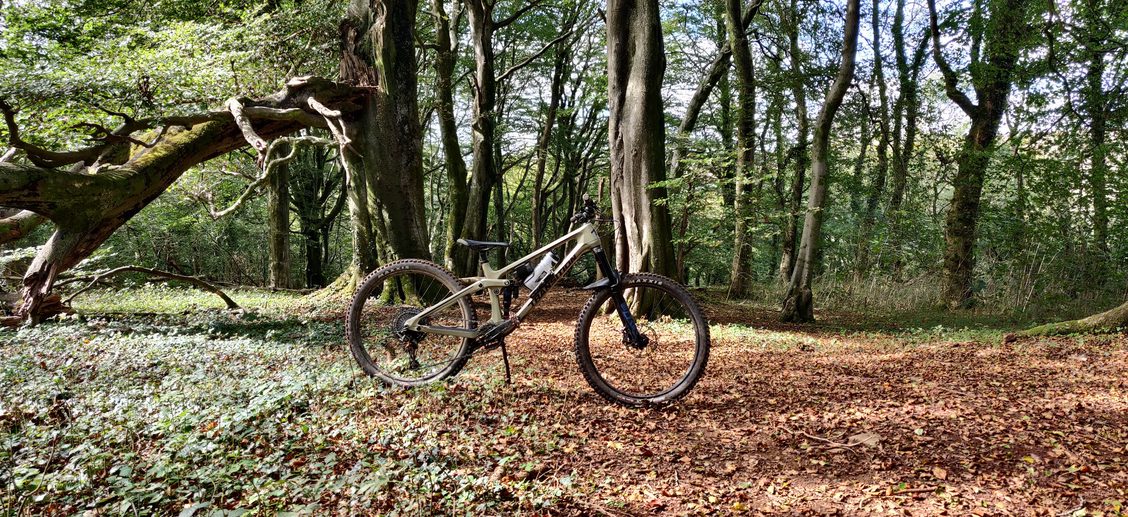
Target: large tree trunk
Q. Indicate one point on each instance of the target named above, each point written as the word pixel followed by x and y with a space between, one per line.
pixel 635 64
pixel 89 205
pixel 745 149
pixel 1004 33
pixel 457 190
pixel 798 90
pixel 379 50
pixel 799 305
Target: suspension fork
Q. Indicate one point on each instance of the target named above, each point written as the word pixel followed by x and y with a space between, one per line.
pixel 630 328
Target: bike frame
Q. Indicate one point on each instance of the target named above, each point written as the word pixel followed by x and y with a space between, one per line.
pixel 586 239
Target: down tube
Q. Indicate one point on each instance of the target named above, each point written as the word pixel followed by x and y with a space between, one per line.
pixel 538 293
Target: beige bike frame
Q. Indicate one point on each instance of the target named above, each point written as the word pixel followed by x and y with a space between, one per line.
pixel 586 239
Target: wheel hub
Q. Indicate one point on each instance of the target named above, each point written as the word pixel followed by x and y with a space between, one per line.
pixel 399 326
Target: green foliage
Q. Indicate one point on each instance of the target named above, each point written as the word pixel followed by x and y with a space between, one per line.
pixel 235 412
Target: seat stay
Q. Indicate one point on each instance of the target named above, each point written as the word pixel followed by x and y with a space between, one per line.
pixel 480 285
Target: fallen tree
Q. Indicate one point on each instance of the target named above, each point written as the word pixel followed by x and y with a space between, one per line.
pixel 1109 321
pixel 89 193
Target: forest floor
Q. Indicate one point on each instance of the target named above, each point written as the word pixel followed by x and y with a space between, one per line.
pixel 150 402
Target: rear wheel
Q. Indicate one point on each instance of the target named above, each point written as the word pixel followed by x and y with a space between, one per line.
pixel 671 356
pixel 385 301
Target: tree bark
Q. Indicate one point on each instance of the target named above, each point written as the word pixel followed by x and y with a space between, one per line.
pixel 18 225
pixel 745 149
pixel 798 90
pixel 1004 32
pixel 635 65
pixel 799 305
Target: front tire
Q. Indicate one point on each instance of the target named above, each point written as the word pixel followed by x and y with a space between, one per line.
pixel 662 371
pixel 385 300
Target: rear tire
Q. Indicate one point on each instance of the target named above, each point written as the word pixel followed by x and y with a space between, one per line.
pixel 662 371
pixel 389 296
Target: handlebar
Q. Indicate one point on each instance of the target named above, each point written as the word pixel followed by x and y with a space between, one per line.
pixel 586 214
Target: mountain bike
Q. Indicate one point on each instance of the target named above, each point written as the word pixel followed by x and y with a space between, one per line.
pixel 641 339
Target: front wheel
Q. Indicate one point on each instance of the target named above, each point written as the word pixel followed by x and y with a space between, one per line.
pixel 657 369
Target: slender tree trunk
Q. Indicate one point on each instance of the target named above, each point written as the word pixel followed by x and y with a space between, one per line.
pixel 905 113
pixel 877 189
pixel 457 189
pixel 1095 105
pixel 799 304
pixel 483 173
pixel 636 63
pixel 278 223
pixel 798 90
pixel 561 59
pixel 745 148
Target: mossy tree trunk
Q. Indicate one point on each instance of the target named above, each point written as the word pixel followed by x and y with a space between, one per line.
pixel 378 51
pixel 1003 35
pixel 1115 319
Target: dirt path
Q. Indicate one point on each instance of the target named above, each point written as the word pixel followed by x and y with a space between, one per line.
pixel 1033 427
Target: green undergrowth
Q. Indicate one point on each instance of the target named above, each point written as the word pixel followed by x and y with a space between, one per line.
pixel 157 400
pixel 218 413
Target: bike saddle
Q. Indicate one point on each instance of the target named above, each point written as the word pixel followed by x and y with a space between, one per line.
pixel 482 245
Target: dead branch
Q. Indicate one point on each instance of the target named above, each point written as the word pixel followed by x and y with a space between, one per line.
pixel 270 164
pixel 236 108
pixel 196 281
pixel 830 444
pixel 919 490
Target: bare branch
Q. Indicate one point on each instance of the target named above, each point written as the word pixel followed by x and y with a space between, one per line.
pixel 501 24
pixel 525 62
pixel 269 166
